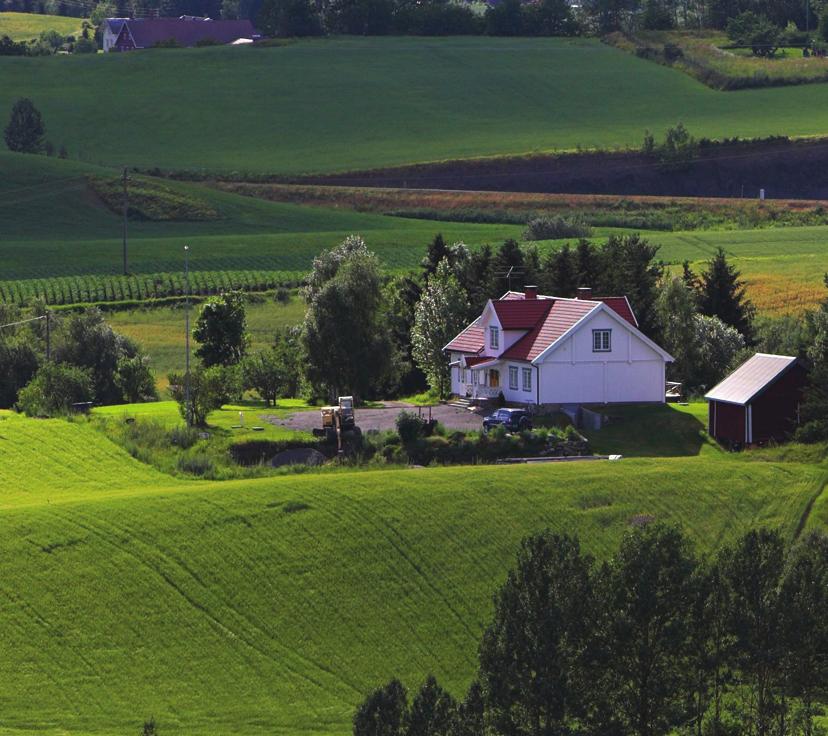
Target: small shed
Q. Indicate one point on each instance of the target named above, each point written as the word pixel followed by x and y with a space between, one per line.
pixel 758 402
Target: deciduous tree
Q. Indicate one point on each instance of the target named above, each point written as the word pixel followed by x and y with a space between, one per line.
pixel 221 328
pixel 534 655
pixel 438 317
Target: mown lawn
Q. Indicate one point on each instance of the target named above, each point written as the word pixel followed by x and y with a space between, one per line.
pixel 345 103
pixel 271 606
pixel 26 26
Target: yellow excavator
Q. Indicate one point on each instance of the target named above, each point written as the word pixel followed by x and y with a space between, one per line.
pixel 337 420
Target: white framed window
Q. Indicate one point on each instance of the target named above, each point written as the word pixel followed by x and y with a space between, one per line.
pixel 527 379
pixel 601 341
pixel 494 337
pixel 474 377
pixel 513 377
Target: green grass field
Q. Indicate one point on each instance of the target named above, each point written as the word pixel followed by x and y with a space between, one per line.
pixel 345 103
pixel 160 331
pixel 26 26
pixel 270 606
pixel 54 225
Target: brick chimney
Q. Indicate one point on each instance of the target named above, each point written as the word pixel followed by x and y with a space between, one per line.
pixel 584 292
pixel 530 292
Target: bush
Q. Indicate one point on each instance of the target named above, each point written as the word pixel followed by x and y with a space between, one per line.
pixel 755 31
pixel 85 46
pixel 409 427
pixel 53 390
pixel 554 228
pixel 183 436
pixel 134 378
pixel 196 465
pixel 207 393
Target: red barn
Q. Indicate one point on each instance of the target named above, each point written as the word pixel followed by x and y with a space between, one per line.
pixel 758 402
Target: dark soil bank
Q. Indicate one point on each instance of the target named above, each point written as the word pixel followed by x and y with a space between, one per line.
pixel 784 169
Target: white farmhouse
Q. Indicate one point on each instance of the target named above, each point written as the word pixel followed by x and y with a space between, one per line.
pixel 548 350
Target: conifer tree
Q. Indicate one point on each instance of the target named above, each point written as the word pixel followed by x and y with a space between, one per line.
pixel 25 131
pixel 722 295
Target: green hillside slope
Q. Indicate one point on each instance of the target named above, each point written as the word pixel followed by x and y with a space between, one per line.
pixel 270 606
pixel 345 103
pixel 26 26
pixel 54 224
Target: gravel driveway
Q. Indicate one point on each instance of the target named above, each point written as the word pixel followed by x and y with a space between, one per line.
pixel 381 419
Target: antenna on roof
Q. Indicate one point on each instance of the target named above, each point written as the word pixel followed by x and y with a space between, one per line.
pixel 508 276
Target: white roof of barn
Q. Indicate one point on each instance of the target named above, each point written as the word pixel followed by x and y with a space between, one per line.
pixel 750 378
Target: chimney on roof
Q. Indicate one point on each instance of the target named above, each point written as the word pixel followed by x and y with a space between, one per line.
pixel 584 292
pixel 530 292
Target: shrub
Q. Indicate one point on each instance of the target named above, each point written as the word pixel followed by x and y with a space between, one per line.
pixel 85 46
pixel 409 426
pixel 183 436
pixel 553 228
pixel 134 378
pixel 207 391
pixel 672 52
pixel 755 31
pixel 196 464
pixel 53 390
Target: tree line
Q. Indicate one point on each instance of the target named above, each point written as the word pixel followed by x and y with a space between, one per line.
pixel 655 640
pixel 448 17
pixel 87 361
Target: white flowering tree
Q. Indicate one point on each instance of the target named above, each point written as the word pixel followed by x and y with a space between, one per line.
pixel 438 317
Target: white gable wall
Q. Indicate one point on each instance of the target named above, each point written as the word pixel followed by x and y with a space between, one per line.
pixel 632 371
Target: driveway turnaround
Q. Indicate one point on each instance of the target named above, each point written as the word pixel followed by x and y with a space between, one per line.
pixel 381 419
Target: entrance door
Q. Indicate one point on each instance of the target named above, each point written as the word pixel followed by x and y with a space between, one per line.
pixel 494 378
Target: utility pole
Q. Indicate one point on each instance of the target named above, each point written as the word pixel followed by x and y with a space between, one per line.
pixel 187 410
pixel 48 338
pixel 126 210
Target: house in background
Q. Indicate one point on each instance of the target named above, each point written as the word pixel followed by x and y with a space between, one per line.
pixel 758 402
pixel 125 34
pixel 547 350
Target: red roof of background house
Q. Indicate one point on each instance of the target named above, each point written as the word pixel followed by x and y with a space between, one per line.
pixel 521 314
pixel 147 32
pixel 564 314
pixel 621 306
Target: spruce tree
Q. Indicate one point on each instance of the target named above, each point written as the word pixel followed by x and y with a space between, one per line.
pixel 437 251
pixel 25 131
pixel 560 277
pixel 508 267
pixel 722 295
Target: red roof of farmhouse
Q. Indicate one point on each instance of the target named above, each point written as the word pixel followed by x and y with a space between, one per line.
pixel 545 319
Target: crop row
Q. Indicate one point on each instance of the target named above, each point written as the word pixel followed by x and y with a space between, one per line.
pixel 96 288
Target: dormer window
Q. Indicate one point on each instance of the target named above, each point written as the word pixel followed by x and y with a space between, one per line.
pixel 494 338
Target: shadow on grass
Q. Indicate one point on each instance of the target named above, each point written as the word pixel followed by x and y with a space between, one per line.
pixel 653 430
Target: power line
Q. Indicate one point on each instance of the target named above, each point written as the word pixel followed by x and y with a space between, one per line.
pixel 24 321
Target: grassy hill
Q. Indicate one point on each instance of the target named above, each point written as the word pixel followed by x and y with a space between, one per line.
pixel 344 103
pixel 54 223
pixel 26 26
pixel 270 606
